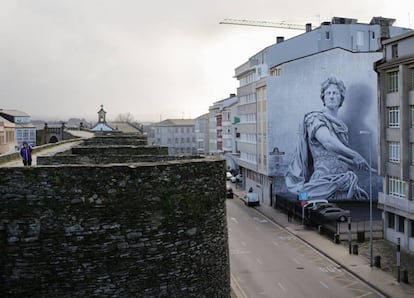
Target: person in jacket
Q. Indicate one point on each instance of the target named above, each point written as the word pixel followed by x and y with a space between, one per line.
pixel 26 154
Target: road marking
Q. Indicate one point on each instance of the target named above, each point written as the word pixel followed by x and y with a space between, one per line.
pixel 259 220
pixel 296 261
pixel 322 283
pixel 288 238
pixel 239 252
pixel 234 219
pixel 330 268
pixel 282 287
pixel 258 261
pixel 238 287
pixel 275 243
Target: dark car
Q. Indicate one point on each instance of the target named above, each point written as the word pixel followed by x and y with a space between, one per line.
pixel 229 193
pixel 320 206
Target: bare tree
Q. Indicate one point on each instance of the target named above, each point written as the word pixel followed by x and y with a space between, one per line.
pixel 125 117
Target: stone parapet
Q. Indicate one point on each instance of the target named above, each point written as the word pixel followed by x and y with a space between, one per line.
pixel 155 229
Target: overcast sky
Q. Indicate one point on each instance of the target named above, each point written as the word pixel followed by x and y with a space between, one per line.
pixel 155 59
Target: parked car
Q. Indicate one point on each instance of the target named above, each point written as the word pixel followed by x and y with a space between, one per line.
pixel 229 193
pixel 321 206
pixel 233 179
pixel 239 178
pixel 312 203
pixel 228 175
pixel 251 199
pixel 335 214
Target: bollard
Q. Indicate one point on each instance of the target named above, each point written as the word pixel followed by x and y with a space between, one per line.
pixel 361 236
pixel 377 261
pixel 336 238
pixel 405 276
pixel 320 229
pixel 355 249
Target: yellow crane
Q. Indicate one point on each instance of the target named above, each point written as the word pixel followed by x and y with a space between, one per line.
pixel 244 22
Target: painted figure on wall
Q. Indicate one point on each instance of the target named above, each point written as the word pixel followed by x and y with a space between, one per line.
pixel 323 162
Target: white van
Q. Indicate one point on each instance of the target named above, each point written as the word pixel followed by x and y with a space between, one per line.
pixel 251 199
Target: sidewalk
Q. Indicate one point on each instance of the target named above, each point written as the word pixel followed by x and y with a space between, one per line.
pixel 382 281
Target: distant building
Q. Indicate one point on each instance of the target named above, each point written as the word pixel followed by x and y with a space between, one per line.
pixel 102 125
pixel 125 127
pixel 201 131
pixel 396 137
pixel 8 141
pixel 25 130
pixel 282 82
pixel 176 134
pixel 216 112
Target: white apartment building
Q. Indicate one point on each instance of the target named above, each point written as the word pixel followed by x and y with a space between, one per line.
pixel 202 134
pixel 218 125
pixel 396 138
pixel 176 134
pixel 25 130
pixel 281 83
pixel 8 142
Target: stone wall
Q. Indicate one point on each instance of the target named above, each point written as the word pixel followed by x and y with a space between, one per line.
pixel 117 140
pixel 68 158
pixel 119 150
pixel 140 230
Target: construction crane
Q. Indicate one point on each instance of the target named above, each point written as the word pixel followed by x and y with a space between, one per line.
pixel 263 24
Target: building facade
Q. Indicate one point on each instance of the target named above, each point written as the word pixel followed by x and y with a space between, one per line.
pixel 8 141
pixel 281 83
pixel 176 134
pixel 396 138
pixel 202 132
pixel 25 130
pixel 216 121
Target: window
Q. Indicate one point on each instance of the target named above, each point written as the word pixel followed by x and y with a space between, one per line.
pixel 394 51
pixel 327 35
pixel 360 38
pixel 412 228
pixel 412 154
pixel 394 117
pixel 396 187
pixel 394 151
pixel 412 78
pixel 412 116
pixel 276 72
pixel 392 81
pixel 401 224
pixel 391 221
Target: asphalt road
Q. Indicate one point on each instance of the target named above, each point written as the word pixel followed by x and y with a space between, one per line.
pixel 266 260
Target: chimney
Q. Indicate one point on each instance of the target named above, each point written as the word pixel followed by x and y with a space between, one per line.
pixel 232 94
pixel 308 27
pixel 280 39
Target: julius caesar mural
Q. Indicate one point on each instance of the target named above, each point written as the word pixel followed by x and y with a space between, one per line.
pixel 324 163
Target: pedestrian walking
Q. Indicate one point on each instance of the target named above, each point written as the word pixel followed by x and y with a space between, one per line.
pixel 26 154
pixel 290 214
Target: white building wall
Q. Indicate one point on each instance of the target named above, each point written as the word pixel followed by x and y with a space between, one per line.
pixel 297 91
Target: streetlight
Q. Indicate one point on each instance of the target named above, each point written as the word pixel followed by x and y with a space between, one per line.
pixel 366 132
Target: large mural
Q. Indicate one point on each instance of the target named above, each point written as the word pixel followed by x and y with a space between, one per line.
pixel 315 130
pixel 322 164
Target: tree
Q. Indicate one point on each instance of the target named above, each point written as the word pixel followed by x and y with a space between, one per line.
pixel 125 117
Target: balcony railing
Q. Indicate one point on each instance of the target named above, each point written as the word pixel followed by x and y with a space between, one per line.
pixel 396 203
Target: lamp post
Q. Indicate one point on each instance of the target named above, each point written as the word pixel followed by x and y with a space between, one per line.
pixel 366 132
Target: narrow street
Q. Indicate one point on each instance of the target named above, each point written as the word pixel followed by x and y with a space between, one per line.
pixel 266 260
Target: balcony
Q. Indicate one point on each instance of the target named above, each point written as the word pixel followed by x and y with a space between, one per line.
pixel 396 205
